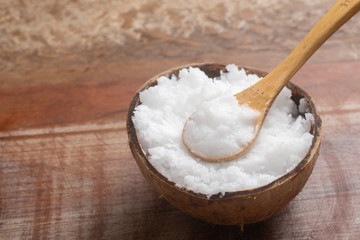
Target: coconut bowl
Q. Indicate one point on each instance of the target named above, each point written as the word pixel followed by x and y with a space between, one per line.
pixel 233 208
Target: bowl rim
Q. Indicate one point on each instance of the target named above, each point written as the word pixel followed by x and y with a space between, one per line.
pixel 315 131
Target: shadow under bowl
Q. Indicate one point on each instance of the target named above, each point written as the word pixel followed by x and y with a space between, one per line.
pixel 233 208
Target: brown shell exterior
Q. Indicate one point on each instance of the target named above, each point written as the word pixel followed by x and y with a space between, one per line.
pixel 235 208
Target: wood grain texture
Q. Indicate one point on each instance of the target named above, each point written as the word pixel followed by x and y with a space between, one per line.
pixel 77 179
pixel 68 71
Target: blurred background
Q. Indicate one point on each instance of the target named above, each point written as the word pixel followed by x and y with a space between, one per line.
pixel 139 38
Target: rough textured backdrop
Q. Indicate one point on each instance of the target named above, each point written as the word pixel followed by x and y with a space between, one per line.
pixel 43 34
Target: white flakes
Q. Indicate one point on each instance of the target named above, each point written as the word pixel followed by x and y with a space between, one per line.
pixel 282 142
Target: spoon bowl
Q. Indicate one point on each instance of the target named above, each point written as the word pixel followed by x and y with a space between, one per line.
pixel 233 208
pixel 260 96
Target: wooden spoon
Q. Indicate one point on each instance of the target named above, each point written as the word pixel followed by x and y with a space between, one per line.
pixel 261 95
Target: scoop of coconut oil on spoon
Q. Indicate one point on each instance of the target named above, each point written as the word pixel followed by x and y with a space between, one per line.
pixel 223 129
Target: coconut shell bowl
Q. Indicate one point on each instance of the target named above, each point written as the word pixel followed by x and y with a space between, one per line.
pixel 233 208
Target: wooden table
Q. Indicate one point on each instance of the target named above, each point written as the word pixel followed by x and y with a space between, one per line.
pixel 66 171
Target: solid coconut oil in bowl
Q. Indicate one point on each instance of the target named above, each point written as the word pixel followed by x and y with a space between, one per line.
pixel 247 189
pixel 256 183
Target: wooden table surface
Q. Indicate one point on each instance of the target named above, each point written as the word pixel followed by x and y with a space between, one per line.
pixel 68 72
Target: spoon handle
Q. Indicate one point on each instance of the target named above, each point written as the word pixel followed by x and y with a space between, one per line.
pixel 339 14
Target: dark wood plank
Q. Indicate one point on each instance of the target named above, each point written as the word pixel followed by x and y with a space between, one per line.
pixel 64 104
pixel 66 171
